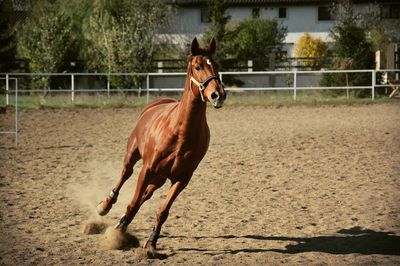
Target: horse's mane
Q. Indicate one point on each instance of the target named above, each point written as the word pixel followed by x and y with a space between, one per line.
pixel 201 51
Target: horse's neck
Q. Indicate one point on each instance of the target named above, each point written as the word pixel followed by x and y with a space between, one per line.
pixel 191 111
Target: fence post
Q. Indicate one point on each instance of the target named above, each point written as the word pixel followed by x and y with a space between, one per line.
pixel 295 85
pixel 373 84
pixel 147 87
pixel 7 87
pixel 108 85
pixel 249 65
pixel 16 113
pixel 160 67
pixel 72 88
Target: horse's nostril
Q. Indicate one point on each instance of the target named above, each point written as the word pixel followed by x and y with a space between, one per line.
pixel 214 95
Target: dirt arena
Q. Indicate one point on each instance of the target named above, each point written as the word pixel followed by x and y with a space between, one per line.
pixel 289 185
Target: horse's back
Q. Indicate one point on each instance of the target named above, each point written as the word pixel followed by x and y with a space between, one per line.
pixel 156 110
pixel 157 103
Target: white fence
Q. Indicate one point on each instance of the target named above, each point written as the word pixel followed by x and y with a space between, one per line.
pixel 166 82
pixel 159 82
pixel 15 130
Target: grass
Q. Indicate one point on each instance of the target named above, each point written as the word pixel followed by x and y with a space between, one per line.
pixel 62 100
pixel 304 98
pixel 270 98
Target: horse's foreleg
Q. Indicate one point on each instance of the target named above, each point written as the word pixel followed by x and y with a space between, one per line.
pixel 131 157
pixel 163 211
pixel 144 190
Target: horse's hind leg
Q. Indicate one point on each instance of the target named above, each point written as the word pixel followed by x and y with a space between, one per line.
pixel 163 211
pixel 131 157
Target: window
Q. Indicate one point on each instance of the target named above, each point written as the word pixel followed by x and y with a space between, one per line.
pixel 205 15
pixel 281 55
pixel 282 12
pixel 324 13
pixel 255 12
pixel 390 11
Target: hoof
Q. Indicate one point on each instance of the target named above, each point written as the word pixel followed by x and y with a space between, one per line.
pixel 104 206
pixel 152 242
pixel 122 225
pixel 149 246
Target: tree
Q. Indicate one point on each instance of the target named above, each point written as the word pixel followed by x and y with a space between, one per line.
pixel 254 39
pixel 312 48
pixel 350 37
pixel 78 12
pixel 219 19
pixel 351 48
pixel 7 39
pixel 44 39
pixel 122 37
pixel 381 30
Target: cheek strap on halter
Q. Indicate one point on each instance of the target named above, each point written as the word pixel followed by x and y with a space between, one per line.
pixel 203 85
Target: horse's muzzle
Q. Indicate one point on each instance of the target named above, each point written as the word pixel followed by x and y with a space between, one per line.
pixel 217 99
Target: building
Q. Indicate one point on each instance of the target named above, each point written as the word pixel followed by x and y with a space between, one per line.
pixel 298 16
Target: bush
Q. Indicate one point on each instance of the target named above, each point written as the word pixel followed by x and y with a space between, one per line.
pixel 313 48
pixel 351 50
pixel 254 39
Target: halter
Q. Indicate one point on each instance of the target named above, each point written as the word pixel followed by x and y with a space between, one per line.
pixel 202 85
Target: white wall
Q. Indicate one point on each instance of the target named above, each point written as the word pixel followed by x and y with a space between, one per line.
pixel 299 19
pixel 183 26
pixel 239 13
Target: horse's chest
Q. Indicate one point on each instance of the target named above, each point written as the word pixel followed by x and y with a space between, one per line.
pixel 175 152
pixel 178 160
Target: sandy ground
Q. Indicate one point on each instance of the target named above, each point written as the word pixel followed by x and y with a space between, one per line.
pixel 298 185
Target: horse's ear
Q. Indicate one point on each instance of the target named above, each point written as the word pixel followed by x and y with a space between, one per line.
pixel 212 47
pixel 194 49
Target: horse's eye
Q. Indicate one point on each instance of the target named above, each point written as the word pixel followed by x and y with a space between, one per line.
pixel 198 67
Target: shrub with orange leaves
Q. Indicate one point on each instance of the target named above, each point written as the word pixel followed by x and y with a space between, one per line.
pixel 313 48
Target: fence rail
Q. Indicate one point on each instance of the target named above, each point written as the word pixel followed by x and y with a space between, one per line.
pixel 174 82
pixel 159 82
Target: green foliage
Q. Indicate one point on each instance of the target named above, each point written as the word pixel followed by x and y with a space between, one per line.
pixel 109 36
pixel 381 31
pixel 44 38
pixel 351 49
pixel 121 38
pixel 254 39
pixel 219 19
pixel 7 39
pixel 78 12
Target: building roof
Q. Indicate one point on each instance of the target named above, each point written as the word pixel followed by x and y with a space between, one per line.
pixel 269 2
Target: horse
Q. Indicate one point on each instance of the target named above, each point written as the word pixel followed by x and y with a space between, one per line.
pixel 171 137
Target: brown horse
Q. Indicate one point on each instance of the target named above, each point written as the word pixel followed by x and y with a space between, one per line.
pixel 172 138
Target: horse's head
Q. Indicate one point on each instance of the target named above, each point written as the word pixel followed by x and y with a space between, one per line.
pixel 204 74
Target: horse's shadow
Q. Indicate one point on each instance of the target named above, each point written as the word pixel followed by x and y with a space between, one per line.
pixel 347 241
